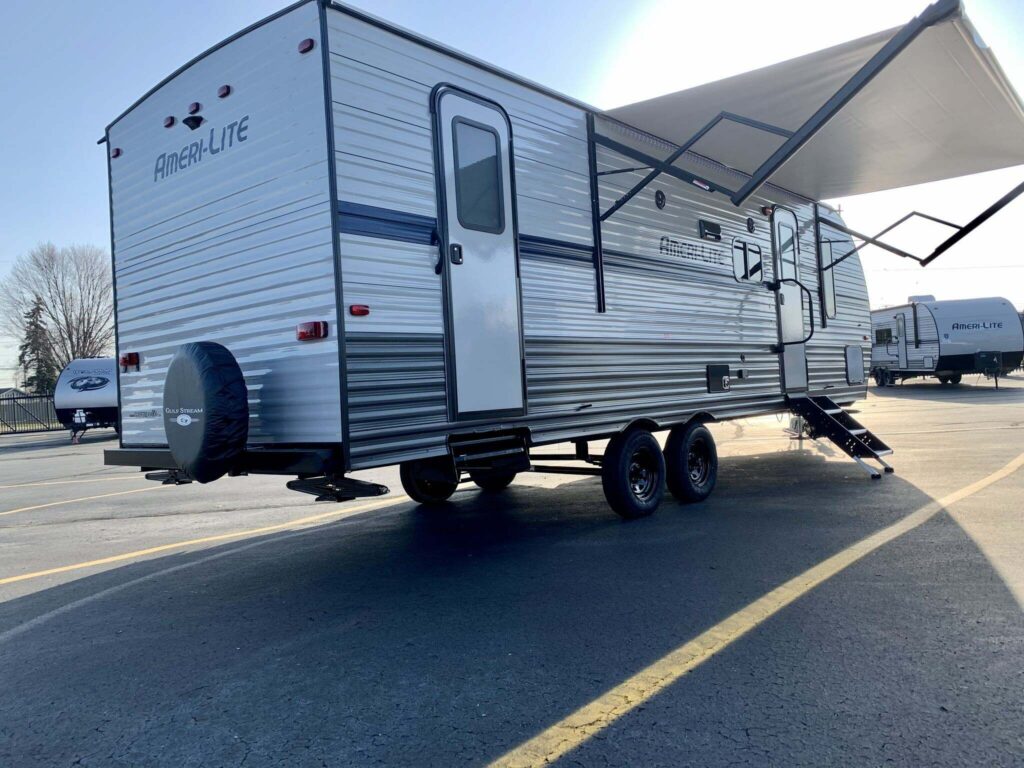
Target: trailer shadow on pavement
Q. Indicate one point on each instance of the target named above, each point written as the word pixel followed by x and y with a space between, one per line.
pixel 446 637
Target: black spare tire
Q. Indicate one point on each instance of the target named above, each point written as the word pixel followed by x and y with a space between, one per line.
pixel 206 410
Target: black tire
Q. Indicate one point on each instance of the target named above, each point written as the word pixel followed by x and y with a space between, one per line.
pixel 492 480
pixel 956 378
pixel 424 481
pixel 691 459
pixel 633 474
pixel 943 379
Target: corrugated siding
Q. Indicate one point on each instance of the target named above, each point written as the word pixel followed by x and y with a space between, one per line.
pixel 586 373
pixel 237 247
pixel 826 357
pixel 381 87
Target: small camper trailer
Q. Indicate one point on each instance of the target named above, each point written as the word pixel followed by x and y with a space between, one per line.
pixel 945 339
pixel 85 396
pixel 338 245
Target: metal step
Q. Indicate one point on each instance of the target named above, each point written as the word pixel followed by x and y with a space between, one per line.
pixel 826 419
pixel 503 450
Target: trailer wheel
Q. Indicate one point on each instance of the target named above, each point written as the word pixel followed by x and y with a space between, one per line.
pixel 943 379
pixel 426 481
pixel 956 378
pixel 880 377
pixel 692 461
pixel 492 479
pixel 633 473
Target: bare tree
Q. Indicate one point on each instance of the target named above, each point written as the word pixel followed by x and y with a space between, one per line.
pixel 75 288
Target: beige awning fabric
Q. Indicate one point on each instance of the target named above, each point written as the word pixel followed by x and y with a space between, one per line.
pixel 942 108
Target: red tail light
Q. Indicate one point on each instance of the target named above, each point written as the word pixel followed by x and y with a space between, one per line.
pixel 314 330
pixel 359 310
pixel 129 360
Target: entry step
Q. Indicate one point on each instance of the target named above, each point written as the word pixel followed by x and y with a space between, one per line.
pixel 825 418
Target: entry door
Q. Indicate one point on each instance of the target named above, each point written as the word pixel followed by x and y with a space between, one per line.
pixel 901 341
pixel 484 327
pixel 789 302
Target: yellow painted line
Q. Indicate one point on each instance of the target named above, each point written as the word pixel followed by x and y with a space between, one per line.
pixel 587 721
pixel 82 498
pixel 205 540
pixel 75 482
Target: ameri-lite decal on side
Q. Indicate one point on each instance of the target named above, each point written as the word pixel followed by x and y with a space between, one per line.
pixel 231 135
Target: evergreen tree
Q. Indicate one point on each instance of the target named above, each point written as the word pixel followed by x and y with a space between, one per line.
pixel 35 358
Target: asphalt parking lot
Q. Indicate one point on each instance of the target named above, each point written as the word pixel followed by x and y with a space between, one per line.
pixel 804 615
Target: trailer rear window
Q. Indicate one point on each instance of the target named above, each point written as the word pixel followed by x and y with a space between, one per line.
pixel 883 336
pixel 478 193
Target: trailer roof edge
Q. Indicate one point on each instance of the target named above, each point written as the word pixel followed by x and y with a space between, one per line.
pixel 212 49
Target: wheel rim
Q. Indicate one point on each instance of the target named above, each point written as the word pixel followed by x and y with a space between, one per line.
pixel 643 475
pixel 698 462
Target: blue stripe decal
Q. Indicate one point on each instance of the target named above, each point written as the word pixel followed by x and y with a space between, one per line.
pixel 388 224
pixel 559 249
pixel 370 221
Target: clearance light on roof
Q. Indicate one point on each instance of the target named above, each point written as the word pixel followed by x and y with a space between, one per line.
pixel 313 330
pixel 169 121
pixel 194 107
pixel 224 91
pixel 116 152
pixel 307 45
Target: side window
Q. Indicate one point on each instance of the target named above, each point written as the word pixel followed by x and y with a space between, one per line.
pixel 828 279
pixel 883 336
pixel 478 194
pixel 747 261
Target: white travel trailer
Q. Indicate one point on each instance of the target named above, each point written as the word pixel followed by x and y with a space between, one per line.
pixel 85 396
pixel 945 339
pixel 338 245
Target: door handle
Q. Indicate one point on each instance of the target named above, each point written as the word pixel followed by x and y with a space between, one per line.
pixel 455 253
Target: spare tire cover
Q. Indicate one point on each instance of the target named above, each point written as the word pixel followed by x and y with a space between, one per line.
pixel 206 410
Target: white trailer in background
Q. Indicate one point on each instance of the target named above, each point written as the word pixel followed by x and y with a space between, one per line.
pixel 338 245
pixel 85 396
pixel 945 339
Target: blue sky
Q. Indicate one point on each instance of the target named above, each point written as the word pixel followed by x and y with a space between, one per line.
pixel 67 68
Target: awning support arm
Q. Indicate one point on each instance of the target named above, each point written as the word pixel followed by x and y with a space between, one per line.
pixel 625 170
pixel 974 223
pixel 663 166
pixel 935 13
pixel 960 233
pixel 643 157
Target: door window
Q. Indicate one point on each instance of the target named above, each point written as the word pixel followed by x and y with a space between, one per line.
pixel 787 251
pixel 479 200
